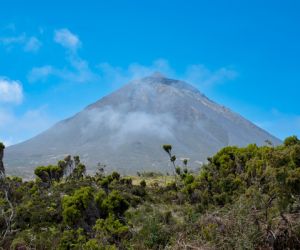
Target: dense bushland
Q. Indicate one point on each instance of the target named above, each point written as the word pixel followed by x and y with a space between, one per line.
pixel 243 198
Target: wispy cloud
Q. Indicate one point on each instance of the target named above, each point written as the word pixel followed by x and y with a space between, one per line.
pixel 67 39
pixel 11 91
pixel 77 70
pixel 32 44
pixel 40 73
pixel 12 40
pixel 207 77
pixel 126 126
pixel 198 75
pixel 117 76
pixel 80 71
pixel 28 43
pixel 16 128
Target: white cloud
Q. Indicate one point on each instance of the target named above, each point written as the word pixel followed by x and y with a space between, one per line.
pixel 67 39
pixel 78 72
pixel 40 73
pixel 127 126
pixel 117 76
pixel 29 44
pixel 11 40
pixel 198 75
pixel 16 128
pixel 10 91
pixel 33 44
pixel 77 69
pixel 206 77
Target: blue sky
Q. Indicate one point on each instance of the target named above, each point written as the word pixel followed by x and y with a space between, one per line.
pixel 56 57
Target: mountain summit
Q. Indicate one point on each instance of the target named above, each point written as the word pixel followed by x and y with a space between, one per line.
pixel 126 129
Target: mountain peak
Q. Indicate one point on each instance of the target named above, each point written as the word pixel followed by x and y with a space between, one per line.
pixel 158 75
pixel 159 79
pixel 155 77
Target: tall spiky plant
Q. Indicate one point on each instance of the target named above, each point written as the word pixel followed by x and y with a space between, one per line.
pixel 168 149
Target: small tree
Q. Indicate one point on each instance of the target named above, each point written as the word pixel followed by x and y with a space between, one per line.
pixel 49 173
pixel 100 170
pixel 72 168
pixel 291 140
pixel 79 171
pixel 6 212
pixel 2 169
pixel 168 149
pixel 143 183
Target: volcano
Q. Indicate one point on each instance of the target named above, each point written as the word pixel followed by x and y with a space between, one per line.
pixel 126 130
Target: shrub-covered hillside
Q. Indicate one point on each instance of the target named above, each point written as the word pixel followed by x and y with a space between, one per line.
pixel 244 198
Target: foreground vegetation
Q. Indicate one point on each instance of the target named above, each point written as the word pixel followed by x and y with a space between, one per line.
pixel 244 198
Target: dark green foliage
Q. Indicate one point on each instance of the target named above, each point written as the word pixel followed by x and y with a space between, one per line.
pixel 110 231
pixel 156 228
pixel 139 190
pixel 243 198
pixel 72 239
pixel 73 169
pixel 178 170
pixel 267 178
pixel 115 175
pixel 76 160
pixel 79 171
pixel 2 169
pixel 126 181
pixel 49 173
pixel 156 235
pixel 143 183
pixel 167 148
pixel 115 203
pixel 74 206
pixel 185 162
pixel 173 158
pixel 99 198
pixel 292 140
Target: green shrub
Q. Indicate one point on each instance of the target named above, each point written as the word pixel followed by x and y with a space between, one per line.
pixel 72 239
pixel 115 203
pixel 155 235
pixel 74 205
pixel 143 183
pixel 111 229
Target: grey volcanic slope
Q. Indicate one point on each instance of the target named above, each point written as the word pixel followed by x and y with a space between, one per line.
pixel 126 129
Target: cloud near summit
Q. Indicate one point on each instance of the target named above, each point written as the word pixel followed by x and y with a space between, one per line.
pixel 67 39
